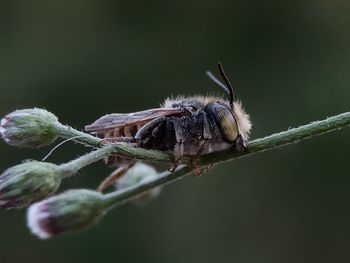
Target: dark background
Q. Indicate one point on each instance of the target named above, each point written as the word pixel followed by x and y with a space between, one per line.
pixel 289 63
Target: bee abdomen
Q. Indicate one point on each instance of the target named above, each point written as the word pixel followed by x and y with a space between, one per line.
pixel 127 131
pixel 122 132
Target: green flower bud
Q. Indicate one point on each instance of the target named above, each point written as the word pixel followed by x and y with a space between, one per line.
pixel 138 173
pixel 28 182
pixel 70 211
pixel 31 128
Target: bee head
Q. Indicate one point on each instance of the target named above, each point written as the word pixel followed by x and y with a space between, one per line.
pixel 231 119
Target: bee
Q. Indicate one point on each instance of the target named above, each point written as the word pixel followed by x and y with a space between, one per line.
pixel 185 126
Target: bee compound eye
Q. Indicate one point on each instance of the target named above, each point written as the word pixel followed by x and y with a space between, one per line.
pixel 224 120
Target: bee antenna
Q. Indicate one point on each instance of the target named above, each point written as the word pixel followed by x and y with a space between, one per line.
pixel 216 81
pixel 228 85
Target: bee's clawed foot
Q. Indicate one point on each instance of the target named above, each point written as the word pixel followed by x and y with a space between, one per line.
pixel 202 170
pixel 176 163
pixel 199 170
pixel 208 168
pixel 241 144
pixel 172 168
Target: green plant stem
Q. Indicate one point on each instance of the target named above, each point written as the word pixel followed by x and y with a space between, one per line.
pixel 259 145
pixel 121 149
pixel 283 138
pixel 114 198
pixel 263 144
pixel 72 167
pixel 67 132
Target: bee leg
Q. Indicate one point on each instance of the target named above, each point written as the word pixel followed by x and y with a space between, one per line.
pixel 241 144
pixel 178 153
pixel 115 175
pixel 173 167
pixel 208 168
pixel 149 130
pixel 206 136
pixel 179 144
pixel 197 171
pixel 207 133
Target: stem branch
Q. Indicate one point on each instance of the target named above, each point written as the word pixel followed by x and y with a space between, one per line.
pixel 72 167
pixel 259 145
pixel 67 132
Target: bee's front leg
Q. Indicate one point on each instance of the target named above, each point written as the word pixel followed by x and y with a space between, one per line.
pixel 241 144
pixel 180 140
pixel 204 139
pixel 149 131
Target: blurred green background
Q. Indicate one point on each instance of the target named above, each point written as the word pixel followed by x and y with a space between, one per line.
pixel 289 62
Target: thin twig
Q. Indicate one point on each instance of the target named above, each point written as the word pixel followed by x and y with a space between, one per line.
pixel 259 145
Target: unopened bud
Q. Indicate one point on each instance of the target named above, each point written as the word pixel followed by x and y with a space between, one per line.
pixel 28 182
pixel 69 211
pixel 31 128
pixel 140 172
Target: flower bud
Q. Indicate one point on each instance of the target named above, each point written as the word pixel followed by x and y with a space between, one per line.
pixel 28 182
pixel 31 128
pixel 136 174
pixel 69 211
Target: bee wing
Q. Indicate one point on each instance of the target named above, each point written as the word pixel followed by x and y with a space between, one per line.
pixel 119 120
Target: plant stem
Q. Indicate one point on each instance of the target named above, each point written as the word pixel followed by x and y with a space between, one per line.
pixel 67 132
pixel 121 149
pixel 263 144
pixel 72 167
pixel 284 138
pixel 114 198
pixel 259 145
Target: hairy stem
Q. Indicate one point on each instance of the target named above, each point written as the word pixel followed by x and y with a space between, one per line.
pixel 259 145
pixel 67 132
pixel 117 197
pixel 283 138
pixel 72 167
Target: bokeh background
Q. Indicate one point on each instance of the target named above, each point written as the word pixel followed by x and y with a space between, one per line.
pixel 289 62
